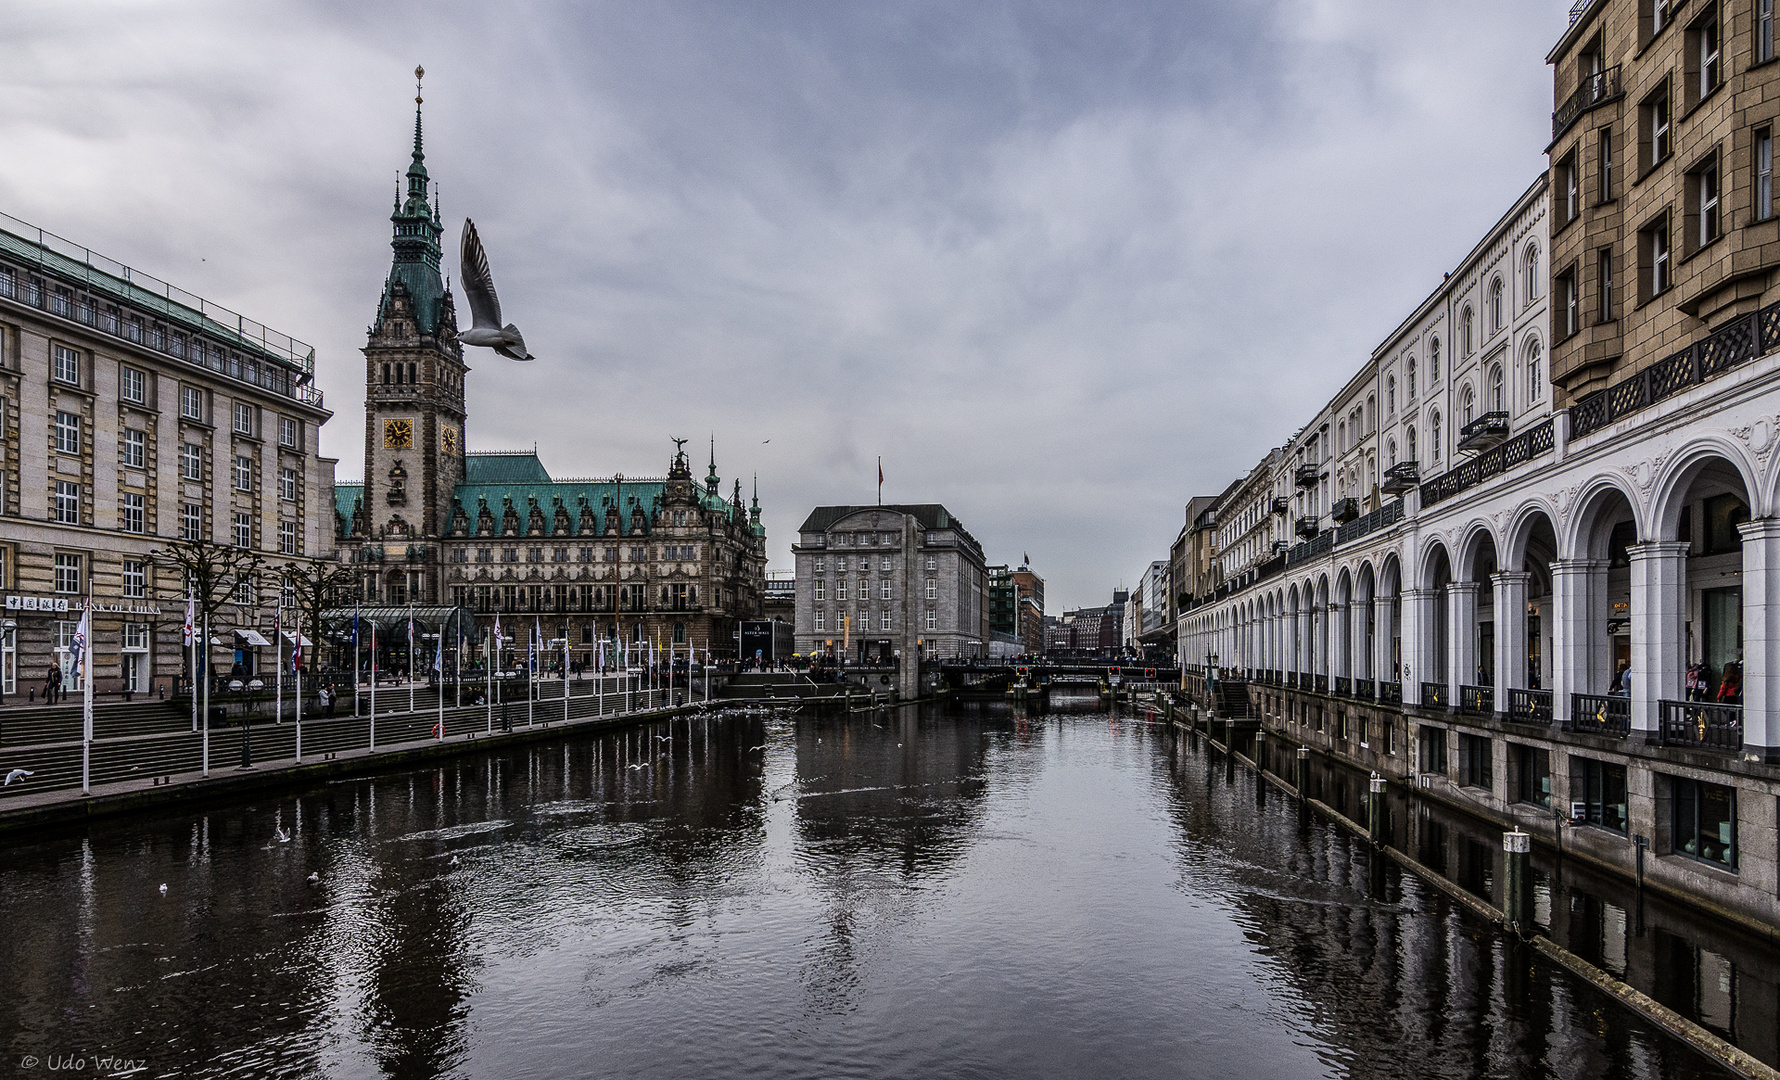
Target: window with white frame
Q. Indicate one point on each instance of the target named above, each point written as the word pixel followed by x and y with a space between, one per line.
pixel 1704 198
pixel 1390 396
pixel 1498 390
pixel 243 530
pixel 1704 56
pixel 1535 371
pixel 135 578
pixel 1409 382
pixel 65 364
pixel 191 521
pixel 67 502
pixel 67 432
pixel 134 446
pixel 932 589
pixel 821 622
pixel 820 590
pixel 243 473
pixel 1496 305
pixel 287 489
pixel 243 418
pixel 1764 31
pixel 290 433
pixel 932 563
pixel 885 564
pixel 1764 174
pixel 244 592
pixel 1434 437
pixel 68 571
pixel 191 403
pixel 1467 331
pixel 131 513
pixel 287 538
pixel 135 637
pixel 132 386
pixel 191 462
pixel 1530 274
pixel 884 589
pixel 932 619
pixel 840 589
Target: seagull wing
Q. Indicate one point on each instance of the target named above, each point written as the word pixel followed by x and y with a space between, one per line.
pixel 485 306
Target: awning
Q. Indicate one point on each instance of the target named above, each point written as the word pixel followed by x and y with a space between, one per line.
pixel 292 638
pixel 252 637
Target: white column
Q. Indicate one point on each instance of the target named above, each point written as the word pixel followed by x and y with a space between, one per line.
pixel 1461 636
pixel 1383 629
pixel 1511 633
pixel 1417 643
pixel 1573 632
pixel 1761 637
pixel 1659 614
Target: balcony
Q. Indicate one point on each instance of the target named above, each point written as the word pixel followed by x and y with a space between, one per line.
pixel 1344 686
pixel 1307 475
pixel 1281 504
pixel 1701 723
pixel 1477 700
pixel 1307 526
pixel 1601 714
pixel 1484 433
pixel 1595 90
pixel 1390 693
pixel 1345 510
pixel 1401 477
pixel 1529 706
pixel 1433 695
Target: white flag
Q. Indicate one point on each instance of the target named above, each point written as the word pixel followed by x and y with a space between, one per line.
pixel 189 615
pixel 77 649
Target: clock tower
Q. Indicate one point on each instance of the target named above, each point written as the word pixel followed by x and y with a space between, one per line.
pixel 414 394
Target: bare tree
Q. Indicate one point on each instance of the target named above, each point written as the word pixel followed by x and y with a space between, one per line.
pixel 315 586
pixel 212 575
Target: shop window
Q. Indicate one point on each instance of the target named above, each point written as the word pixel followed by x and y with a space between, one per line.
pixel 1433 750
pixel 1476 767
pixel 1723 514
pixel 1532 774
pixel 1703 821
pixel 1597 793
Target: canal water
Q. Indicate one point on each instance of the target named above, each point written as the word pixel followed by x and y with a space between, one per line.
pixel 916 893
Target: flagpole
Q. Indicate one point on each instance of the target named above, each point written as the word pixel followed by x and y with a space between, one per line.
pixel 565 675
pixel 373 684
pixel 355 631
pixel 488 678
pixel 411 657
pixel 278 659
pixel 531 676
pixel 191 651
pixel 86 697
pixel 206 678
pixel 439 669
pixel 296 669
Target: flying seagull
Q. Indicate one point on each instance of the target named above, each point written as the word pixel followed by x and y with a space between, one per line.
pixel 20 775
pixel 485 307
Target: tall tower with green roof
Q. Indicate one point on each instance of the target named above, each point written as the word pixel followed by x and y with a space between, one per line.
pixel 414 388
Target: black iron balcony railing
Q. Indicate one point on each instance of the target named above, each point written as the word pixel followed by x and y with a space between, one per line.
pixel 1390 693
pixel 1734 343
pixel 1477 700
pixel 1522 448
pixel 1321 684
pixel 1701 723
pixel 1308 475
pixel 1365 689
pixel 1487 431
pixel 1401 477
pixel 1529 706
pixel 1345 510
pixel 1601 714
pixel 1344 686
pixel 1434 695
pixel 1386 515
pixel 1281 504
pixel 1307 526
pixel 1596 90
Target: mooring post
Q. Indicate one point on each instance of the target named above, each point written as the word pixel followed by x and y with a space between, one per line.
pixel 1302 780
pixel 1375 810
pixel 1517 880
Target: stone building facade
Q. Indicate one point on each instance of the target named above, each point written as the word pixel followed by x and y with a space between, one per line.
pixel 133 414
pixel 664 560
pixel 883 582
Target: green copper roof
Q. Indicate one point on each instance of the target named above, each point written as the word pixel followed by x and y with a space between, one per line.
pixel 416 245
pixel 345 495
pixel 504 468
pixel 520 478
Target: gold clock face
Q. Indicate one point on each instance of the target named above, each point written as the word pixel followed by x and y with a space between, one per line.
pixel 448 441
pixel 398 434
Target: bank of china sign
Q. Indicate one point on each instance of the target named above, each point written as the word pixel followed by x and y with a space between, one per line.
pixel 63 604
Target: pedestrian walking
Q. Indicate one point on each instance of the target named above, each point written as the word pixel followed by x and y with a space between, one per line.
pixel 52 683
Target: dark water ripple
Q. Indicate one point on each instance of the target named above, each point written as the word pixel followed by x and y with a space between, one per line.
pixel 963 895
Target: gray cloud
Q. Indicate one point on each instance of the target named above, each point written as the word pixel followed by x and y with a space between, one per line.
pixel 1062 264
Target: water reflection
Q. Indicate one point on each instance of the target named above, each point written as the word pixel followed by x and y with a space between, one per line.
pixel 904 893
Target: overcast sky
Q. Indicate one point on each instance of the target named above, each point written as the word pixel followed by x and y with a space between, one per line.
pixel 1063 265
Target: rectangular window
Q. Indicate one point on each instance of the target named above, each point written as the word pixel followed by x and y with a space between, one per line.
pixel 932 564
pixel 68 576
pixel 1764 174
pixel 1606 164
pixel 1764 31
pixel 290 433
pixel 820 591
pixel 819 563
pixel 67 502
pixel 135 578
pixel 1704 58
pixel 243 473
pixel 132 386
pixel 135 448
pixel 287 484
pixel 1597 793
pixel 1476 765
pixel 243 418
pixel 884 621
pixel 1702 203
pixel 1604 283
pixel 1532 774
pixel 1704 823
pixel 191 521
pixel 930 619
pixel 191 403
pixel 840 590
pixel 66 365
pixel 1653 259
pixel 932 589
pixel 884 589
pixel 191 462
pixel 135 637
pixel 287 538
pixel 1566 297
pixel 243 530
pixel 1569 188
pixel 130 513
pixel 67 433
pixel 1654 133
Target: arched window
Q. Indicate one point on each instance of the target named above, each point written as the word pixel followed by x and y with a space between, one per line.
pixel 1535 371
pixel 1468 405
pixel 1369 417
pixel 1434 436
pixel 1390 451
pixel 1495 305
pixel 1498 399
pixel 1341 437
pixel 1530 267
pixel 1433 360
pixel 1467 338
pixel 1390 396
pixel 1409 382
pixel 1409 445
